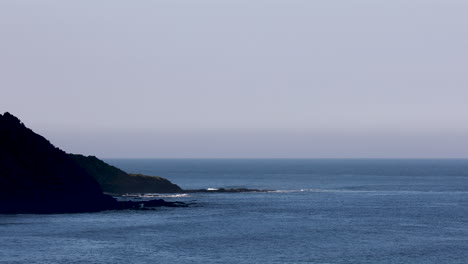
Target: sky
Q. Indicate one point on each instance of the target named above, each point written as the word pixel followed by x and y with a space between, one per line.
pixel 239 78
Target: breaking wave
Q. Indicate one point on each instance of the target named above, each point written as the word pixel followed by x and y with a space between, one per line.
pixel 156 195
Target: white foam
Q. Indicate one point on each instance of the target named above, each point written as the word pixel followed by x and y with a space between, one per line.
pixel 285 191
pixel 156 195
pixel 174 195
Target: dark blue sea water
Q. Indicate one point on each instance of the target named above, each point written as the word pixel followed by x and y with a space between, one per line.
pixel 324 211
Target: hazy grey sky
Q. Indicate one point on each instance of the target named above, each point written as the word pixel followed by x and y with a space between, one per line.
pixel 239 78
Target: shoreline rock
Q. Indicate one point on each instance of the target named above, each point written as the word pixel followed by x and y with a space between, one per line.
pixel 147 205
pixel 225 190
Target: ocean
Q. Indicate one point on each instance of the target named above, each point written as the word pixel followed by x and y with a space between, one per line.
pixel 321 211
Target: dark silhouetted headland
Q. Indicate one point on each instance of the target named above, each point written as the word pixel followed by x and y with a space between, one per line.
pixel 117 181
pixel 36 177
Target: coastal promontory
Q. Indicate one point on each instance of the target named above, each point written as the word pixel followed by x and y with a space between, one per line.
pixel 37 177
pixel 116 181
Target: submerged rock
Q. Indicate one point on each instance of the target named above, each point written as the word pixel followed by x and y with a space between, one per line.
pixel 144 205
pixel 224 190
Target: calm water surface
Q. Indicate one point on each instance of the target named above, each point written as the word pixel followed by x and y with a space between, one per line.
pixel 324 211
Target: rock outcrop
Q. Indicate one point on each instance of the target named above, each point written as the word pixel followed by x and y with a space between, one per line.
pixel 226 190
pixel 36 177
pixel 116 181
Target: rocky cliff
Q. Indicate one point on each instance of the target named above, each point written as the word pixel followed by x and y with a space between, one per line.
pixel 36 177
pixel 116 181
